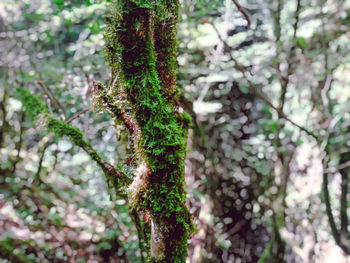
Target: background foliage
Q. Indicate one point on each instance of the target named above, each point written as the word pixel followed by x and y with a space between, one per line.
pixel 268 159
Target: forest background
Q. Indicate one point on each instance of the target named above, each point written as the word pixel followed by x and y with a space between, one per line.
pixel 268 158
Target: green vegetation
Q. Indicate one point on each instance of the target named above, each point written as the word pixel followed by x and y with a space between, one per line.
pixel 145 40
pixel 115 148
pixel 7 251
pixel 32 104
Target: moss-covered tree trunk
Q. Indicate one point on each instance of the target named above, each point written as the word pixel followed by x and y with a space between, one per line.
pixel 141 49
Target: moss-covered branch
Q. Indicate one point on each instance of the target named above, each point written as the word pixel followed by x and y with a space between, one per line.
pixel 8 251
pixel 40 113
pixel 32 104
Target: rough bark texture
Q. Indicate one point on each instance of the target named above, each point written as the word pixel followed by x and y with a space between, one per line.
pixel 141 49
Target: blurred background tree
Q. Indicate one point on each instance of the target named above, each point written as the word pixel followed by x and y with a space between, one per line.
pixel 268 156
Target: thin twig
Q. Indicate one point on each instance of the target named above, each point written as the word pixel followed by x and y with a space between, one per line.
pixel 243 12
pixel 343 201
pixel 19 144
pixel 258 93
pixel 296 18
pixel 283 116
pixel 344 165
pixel 55 103
pixel 329 212
pixel 37 174
pixel 326 84
pixel 3 118
pixel 79 114
pixel 285 80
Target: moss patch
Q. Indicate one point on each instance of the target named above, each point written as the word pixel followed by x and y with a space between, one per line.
pixel 32 104
pixel 61 129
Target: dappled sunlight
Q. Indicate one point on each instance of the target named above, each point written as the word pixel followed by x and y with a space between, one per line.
pixel 97 115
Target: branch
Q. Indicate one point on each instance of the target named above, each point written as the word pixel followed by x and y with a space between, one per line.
pixel 283 116
pixel 118 178
pixel 4 123
pixel 38 111
pixel 19 144
pixel 344 165
pixel 106 101
pixel 340 236
pixel 140 233
pixel 277 18
pixel 296 18
pixel 257 91
pixel 55 103
pixel 243 12
pixel 37 174
pixel 79 114
pixel 285 80
pixel 343 201
pixel 326 84
pixel 337 235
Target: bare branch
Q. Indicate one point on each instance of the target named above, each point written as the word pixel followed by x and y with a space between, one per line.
pixel 243 12
pixel 335 233
pixel 285 80
pixel 3 118
pixel 19 143
pixel 325 89
pixel 79 114
pixel 343 200
pixel 55 103
pixel 344 165
pixel 258 92
pixel 37 174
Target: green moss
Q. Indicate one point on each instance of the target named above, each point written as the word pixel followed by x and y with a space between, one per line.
pixel 187 120
pixel 8 251
pixel 35 108
pixel 61 128
pixel 142 47
pixel 31 103
pixel 163 8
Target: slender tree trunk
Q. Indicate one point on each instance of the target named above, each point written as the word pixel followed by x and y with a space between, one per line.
pixel 141 49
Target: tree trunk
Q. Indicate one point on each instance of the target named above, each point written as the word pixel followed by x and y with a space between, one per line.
pixel 141 49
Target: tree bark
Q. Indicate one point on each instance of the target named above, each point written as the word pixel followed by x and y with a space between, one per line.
pixel 141 49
